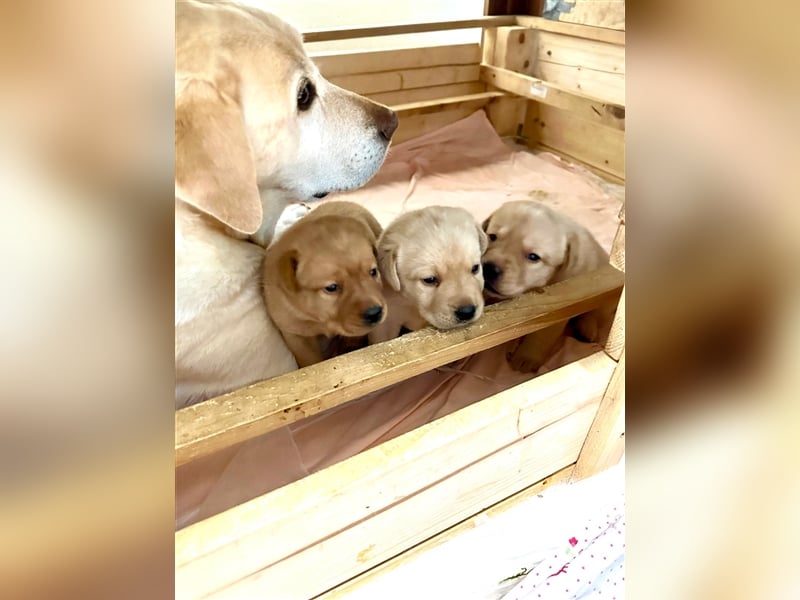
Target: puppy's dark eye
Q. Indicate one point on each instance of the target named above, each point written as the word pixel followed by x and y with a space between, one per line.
pixel 492 237
pixel 533 257
pixel 431 281
pixel 332 288
pixel 306 94
pixel 475 269
pixel 373 272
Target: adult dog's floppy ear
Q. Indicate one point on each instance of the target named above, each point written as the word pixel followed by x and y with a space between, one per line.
pixel 214 168
pixel 287 271
pixel 387 262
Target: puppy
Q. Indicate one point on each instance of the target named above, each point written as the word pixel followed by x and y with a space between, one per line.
pixel 430 260
pixel 531 246
pixel 256 127
pixel 321 280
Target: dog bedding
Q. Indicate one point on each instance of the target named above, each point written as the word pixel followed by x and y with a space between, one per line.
pixel 464 164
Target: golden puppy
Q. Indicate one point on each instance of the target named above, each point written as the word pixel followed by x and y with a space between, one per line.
pixel 256 127
pixel 430 260
pixel 531 246
pixel 321 280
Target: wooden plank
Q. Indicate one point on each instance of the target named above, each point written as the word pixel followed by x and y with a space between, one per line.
pixel 371 83
pixel 617 256
pixel 386 499
pixel 597 13
pixel 605 443
pixel 579 139
pixel 605 174
pixel 609 87
pixel 586 107
pixel 593 68
pixel 347 33
pixel 507 115
pixel 428 93
pixel 471 102
pixel 355 549
pixel 220 422
pixel 348 63
pixel 615 343
pixel 447 535
pixel 587 54
pixel 514 49
pixel 417 125
pixel 601 34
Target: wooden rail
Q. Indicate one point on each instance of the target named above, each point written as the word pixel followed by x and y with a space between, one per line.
pixel 346 33
pixel 591 109
pixel 221 422
pixel 600 34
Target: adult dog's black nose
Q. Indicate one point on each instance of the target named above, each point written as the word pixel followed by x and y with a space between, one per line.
pixel 491 271
pixel 465 313
pixel 386 121
pixel 373 314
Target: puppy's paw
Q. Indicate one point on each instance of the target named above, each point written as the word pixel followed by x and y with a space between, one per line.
pixel 290 215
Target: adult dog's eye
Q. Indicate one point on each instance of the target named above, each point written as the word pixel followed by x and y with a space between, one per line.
pixel 533 257
pixel 373 272
pixel 492 237
pixel 475 269
pixel 306 95
pixel 431 281
pixel 332 288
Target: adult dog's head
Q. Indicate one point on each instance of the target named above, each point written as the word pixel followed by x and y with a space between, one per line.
pixel 252 110
pixel 432 256
pixel 531 245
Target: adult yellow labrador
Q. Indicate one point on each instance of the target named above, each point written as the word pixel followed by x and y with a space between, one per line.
pixel 256 127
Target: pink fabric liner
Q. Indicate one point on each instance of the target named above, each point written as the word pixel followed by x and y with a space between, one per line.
pixel 464 164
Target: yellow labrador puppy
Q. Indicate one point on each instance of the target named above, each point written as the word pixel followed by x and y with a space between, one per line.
pixel 531 246
pixel 430 260
pixel 321 281
pixel 256 127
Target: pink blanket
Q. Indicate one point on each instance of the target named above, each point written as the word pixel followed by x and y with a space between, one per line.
pixel 464 164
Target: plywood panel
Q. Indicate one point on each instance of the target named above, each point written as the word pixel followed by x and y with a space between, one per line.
pixel 596 145
pixel 382 501
pixel 334 65
pixel 387 81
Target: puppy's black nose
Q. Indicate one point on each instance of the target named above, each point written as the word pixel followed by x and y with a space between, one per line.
pixel 491 271
pixel 386 121
pixel 465 313
pixel 373 314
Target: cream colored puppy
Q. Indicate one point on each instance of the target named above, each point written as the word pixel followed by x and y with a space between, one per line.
pixel 430 260
pixel 531 246
pixel 256 127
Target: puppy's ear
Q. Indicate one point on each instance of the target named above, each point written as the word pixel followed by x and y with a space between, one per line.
pixel 287 271
pixel 580 256
pixel 214 168
pixel 387 262
pixel 483 239
pixel 485 224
